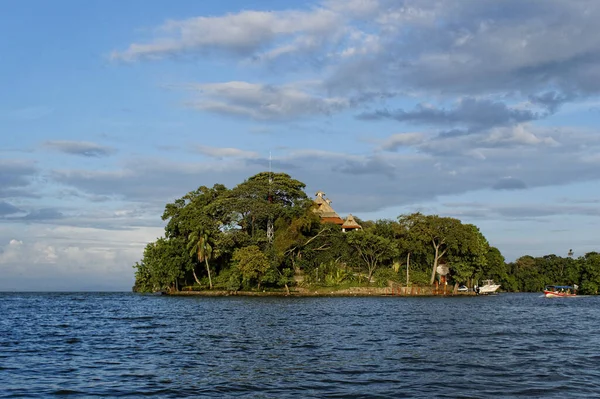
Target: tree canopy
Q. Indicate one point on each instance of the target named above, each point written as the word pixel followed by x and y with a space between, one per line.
pixel 216 238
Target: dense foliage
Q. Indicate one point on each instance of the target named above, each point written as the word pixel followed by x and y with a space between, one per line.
pixel 216 238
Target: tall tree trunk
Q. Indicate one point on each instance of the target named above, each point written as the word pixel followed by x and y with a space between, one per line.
pixel 195 277
pixel 208 270
pixel 407 267
pixel 435 263
pixel 371 270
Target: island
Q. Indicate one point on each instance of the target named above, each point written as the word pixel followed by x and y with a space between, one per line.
pixel 266 236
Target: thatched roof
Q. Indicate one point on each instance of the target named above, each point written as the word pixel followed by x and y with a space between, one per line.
pixel 325 211
pixel 350 223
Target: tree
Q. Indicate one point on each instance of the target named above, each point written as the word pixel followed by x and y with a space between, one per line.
pixel 443 233
pixel 163 263
pixel 372 249
pixel 408 239
pixel 251 263
pixel 194 209
pixel 468 254
pixel 590 273
pixel 303 235
pixel 528 275
pixel 143 277
pixel 496 269
pixel 261 196
pixel 199 245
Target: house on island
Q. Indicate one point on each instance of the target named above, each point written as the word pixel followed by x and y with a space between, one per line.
pixel 328 215
pixel 350 224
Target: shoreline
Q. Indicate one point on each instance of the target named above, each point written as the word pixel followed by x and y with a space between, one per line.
pixel 323 292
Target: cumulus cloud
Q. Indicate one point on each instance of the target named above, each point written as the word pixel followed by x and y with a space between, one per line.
pixel 476 114
pixel 496 142
pixel 468 46
pixel 395 141
pixel 264 102
pixel 16 251
pixel 543 52
pixel 81 148
pixel 518 135
pixel 70 258
pixel 266 34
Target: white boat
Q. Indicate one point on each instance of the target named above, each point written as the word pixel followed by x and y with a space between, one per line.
pixel 488 287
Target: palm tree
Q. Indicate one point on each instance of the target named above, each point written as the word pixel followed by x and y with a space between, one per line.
pixel 199 245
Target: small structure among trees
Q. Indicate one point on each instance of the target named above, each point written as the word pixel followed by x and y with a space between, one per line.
pixel 350 224
pixel 325 211
pixel 328 215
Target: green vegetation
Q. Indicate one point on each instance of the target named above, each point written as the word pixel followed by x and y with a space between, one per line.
pixel 216 238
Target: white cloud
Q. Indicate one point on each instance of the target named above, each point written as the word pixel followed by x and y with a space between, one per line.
pixel 518 135
pixel 265 102
pixel 398 140
pixel 245 33
pixel 364 47
pixel 71 258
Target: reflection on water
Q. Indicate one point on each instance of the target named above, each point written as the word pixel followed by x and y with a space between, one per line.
pixel 85 344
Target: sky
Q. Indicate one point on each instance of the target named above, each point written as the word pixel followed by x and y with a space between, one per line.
pixel 487 111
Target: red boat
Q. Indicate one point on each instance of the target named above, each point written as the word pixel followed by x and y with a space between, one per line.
pixel 559 291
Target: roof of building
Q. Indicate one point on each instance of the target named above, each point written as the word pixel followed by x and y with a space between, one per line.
pixel 325 211
pixel 350 223
pixel 334 220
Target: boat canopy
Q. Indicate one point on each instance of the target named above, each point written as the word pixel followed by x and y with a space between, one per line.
pixel 560 286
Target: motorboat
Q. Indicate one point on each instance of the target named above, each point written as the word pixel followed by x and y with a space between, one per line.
pixel 560 291
pixel 488 287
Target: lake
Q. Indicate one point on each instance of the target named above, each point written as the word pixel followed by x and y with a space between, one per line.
pixel 122 344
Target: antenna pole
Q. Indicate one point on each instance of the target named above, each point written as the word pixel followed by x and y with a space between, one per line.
pixel 270 228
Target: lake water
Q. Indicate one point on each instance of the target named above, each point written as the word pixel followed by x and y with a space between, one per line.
pixel 120 344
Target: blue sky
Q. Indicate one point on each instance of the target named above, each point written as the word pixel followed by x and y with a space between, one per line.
pixel 485 111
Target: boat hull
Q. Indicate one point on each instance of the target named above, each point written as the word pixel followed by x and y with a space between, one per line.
pixel 552 294
pixel 488 289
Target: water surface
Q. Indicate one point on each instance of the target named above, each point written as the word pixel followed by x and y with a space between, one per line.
pixel 113 345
